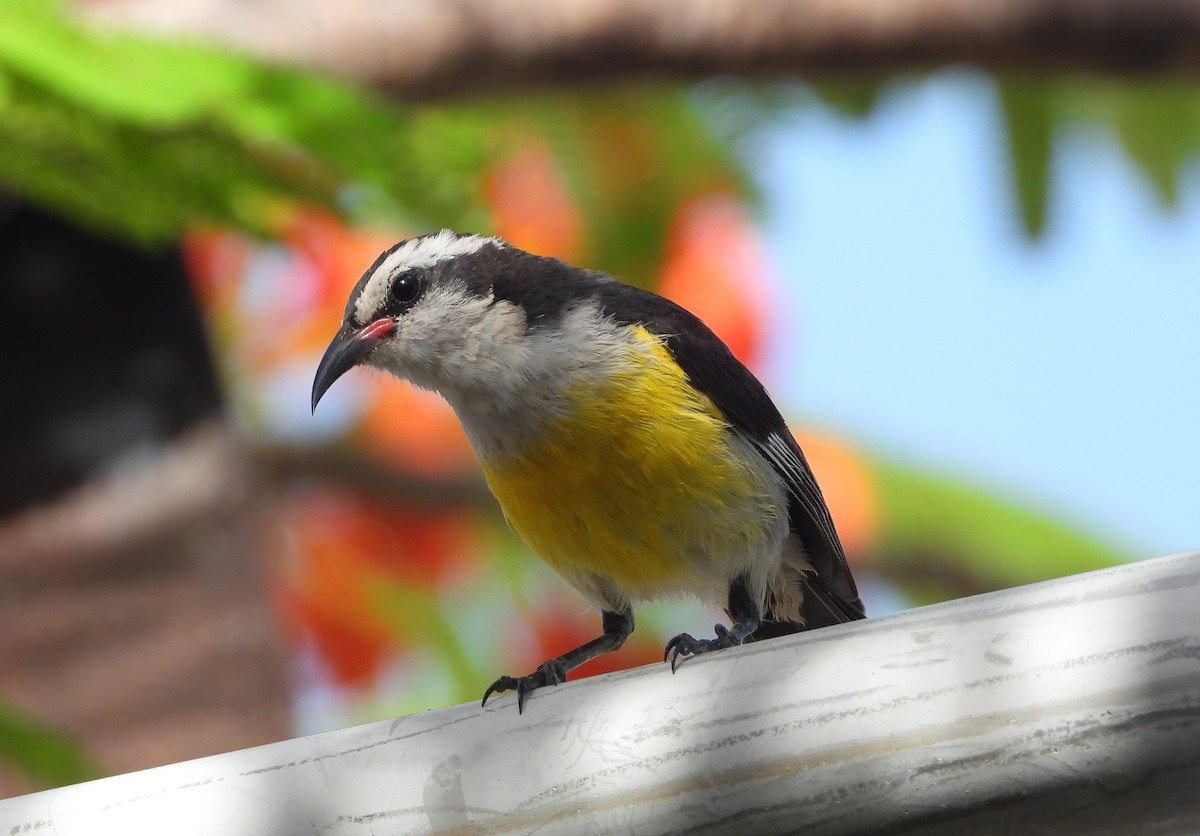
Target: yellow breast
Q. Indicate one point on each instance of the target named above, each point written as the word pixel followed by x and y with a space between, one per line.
pixel 640 484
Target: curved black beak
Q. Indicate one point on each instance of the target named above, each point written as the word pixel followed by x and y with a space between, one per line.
pixel 346 351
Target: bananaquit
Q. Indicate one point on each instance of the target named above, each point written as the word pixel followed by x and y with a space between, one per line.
pixel 624 441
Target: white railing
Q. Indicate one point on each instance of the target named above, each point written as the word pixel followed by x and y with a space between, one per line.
pixel 1071 706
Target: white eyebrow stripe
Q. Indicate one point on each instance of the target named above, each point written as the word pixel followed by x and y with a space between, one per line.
pixel 415 253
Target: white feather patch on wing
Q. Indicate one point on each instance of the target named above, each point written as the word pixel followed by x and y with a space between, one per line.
pixel 800 482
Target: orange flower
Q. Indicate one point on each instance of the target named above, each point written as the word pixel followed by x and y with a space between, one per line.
pixel 530 205
pixel 716 267
pixel 342 551
pixel 416 429
pixel 352 651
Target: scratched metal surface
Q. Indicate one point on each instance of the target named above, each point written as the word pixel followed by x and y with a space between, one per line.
pixel 1066 707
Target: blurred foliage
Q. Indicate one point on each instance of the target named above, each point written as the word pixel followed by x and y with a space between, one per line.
pixel 143 138
pixel 856 99
pixel 44 756
pixel 624 160
pixel 941 538
pixel 1155 121
pixel 1029 114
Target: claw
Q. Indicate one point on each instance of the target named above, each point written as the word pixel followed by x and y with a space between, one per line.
pixel 679 646
pixel 551 672
pixel 686 645
pixel 504 683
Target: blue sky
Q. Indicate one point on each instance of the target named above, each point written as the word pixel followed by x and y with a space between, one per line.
pixel 919 321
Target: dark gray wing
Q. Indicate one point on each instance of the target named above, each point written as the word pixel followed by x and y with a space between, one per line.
pixel 830 595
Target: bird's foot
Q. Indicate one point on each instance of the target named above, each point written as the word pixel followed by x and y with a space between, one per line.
pixel 685 645
pixel 551 672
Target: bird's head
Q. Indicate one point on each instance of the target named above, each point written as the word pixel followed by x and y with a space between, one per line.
pixel 425 312
pixel 471 317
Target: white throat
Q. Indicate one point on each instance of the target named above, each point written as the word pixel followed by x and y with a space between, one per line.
pixel 502 380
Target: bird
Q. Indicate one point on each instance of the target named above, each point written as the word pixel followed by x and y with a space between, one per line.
pixel 623 440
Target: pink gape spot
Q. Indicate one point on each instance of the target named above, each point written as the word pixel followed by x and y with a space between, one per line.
pixel 377 330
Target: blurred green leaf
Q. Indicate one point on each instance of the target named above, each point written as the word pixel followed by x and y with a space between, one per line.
pixel 410 610
pixel 1157 123
pixel 144 138
pixel 1158 126
pixel 855 98
pixel 1029 114
pixel 140 138
pixel 45 756
pixel 941 538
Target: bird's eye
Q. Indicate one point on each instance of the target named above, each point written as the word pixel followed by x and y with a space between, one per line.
pixel 406 289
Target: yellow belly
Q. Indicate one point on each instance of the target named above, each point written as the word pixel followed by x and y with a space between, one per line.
pixel 638 490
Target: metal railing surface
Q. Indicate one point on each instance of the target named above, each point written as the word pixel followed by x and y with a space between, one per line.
pixel 1071 706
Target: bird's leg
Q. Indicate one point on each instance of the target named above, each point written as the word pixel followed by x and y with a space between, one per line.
pixel 617 627
pixel 745 613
